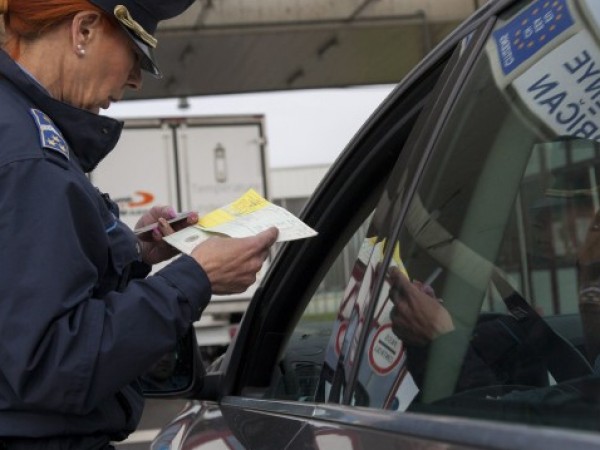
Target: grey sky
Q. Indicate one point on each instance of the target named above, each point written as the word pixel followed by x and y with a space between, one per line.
pixel 302 127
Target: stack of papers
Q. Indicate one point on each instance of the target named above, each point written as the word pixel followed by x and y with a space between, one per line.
pixel 247 216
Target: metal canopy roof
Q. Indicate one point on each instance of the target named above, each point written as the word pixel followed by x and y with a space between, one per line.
pixel 233 46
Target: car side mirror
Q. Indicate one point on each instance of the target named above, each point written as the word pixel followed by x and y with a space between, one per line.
pixel 176 373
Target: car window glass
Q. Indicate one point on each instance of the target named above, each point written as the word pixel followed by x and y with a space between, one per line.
pixel 490 305
pixel 343 351
pixel 332 319
pixel 298 372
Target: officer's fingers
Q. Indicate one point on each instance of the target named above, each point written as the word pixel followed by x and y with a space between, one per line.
pixel 163 229
pixel 264 255
pixel 252 246
pixel 192 218
pixel 154 214
pixel 267 238
pixel 159 211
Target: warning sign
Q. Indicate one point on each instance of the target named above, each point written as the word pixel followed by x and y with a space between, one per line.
pixel 386 350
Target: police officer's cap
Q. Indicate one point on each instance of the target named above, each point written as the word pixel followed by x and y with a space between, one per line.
pixel 140 18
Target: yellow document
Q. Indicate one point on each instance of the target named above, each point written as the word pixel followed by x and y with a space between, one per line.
pixel 247 216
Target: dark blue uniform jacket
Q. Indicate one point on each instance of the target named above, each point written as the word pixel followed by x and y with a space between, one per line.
pixel 76 327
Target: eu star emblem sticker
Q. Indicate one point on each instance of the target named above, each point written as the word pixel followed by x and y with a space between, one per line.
pixel 530 31
pixel 50 137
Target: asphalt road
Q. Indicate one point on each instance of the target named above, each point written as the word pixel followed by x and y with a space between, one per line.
pixel 157 414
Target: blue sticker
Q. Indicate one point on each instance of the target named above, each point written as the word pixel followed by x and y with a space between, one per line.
pixel 50 137
pixel 530 30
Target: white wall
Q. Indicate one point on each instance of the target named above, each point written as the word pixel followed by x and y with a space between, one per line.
pixel 295 182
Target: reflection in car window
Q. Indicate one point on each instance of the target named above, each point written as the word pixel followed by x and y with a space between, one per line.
pixel 326 336
pixel 343 351
pixel 491 308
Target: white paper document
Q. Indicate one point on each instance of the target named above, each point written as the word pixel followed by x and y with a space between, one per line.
pixel 247 216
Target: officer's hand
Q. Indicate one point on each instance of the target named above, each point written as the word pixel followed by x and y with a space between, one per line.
pixel 232 264
pixel 154 249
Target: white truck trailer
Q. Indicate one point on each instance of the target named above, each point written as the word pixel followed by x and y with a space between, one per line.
pixel 193 164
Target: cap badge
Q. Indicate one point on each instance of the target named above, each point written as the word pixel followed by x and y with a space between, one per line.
pixel 122 14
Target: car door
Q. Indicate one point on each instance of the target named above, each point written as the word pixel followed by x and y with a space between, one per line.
pixel 469 201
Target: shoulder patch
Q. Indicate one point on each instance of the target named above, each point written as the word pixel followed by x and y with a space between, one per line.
pixel 50 137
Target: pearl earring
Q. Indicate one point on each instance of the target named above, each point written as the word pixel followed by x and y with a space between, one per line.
pixel 80 50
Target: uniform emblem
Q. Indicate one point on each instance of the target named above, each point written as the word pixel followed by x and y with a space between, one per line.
pixel 50 137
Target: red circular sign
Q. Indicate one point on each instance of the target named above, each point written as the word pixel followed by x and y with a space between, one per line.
pixel 385 351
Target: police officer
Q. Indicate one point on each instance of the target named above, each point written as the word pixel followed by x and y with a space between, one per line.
pixel 80 319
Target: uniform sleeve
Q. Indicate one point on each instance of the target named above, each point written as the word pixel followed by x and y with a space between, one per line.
pixel 61 349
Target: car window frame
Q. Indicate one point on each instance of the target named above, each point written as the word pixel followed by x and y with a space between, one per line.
pixel 253 326
pixel 224 378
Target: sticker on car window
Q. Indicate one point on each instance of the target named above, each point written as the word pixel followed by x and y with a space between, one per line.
pixel 528 36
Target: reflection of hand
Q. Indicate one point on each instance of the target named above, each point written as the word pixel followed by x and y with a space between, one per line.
pixel 232 264
pixel 155 249
pixel 417 316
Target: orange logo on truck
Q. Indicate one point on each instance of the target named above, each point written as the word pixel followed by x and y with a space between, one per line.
pixel 140 198
pixel 145 198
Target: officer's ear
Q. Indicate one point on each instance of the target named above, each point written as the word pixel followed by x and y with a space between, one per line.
pixel 86 27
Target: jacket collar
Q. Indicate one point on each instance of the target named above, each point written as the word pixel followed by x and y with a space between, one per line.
pixel 90 136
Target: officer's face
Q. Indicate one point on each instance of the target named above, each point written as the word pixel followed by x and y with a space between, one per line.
pixel 111 65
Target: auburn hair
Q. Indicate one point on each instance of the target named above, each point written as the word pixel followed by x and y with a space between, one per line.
pixel 28 19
